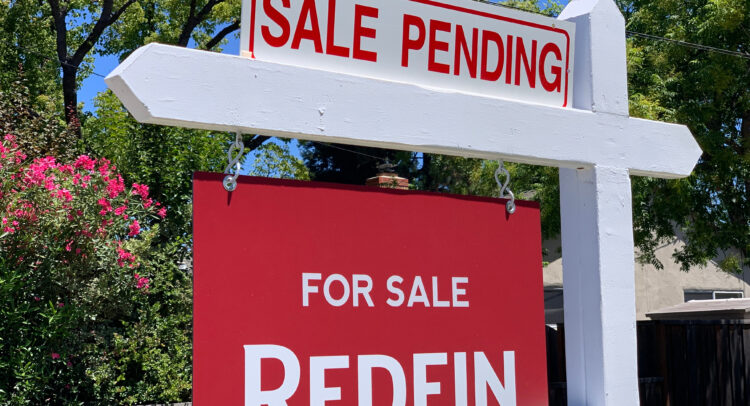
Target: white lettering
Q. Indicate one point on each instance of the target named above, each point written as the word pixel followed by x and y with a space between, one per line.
pixel 484 375
pixel 393 289
pixel 459 291
pixel 254 396
pixel 358 290
pixel 418 293
pixel 319 393
pixel 435 301
pixel 422 388
pixel 307 289
pixel 460 380
pixel 327 290
pixel 365 364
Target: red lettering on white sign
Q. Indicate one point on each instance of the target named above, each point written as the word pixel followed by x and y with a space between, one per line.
pixel 456 45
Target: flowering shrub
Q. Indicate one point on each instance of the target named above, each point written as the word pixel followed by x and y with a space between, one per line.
pixel 76 218
pixel 73 240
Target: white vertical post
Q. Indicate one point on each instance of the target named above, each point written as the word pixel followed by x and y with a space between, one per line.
pixel 597 227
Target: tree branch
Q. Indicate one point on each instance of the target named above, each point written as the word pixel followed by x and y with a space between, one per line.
pixel 222 34
pixel 191 14
pixel 58 16
pixel 255 142
pixel 194 20
pixel 106 19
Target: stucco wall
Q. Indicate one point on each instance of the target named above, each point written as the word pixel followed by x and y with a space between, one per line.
pixel 658 288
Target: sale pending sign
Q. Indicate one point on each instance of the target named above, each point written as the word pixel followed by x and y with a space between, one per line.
pixel 458 45
pixel 318 294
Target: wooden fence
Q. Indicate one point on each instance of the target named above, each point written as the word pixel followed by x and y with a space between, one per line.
pixel 680 363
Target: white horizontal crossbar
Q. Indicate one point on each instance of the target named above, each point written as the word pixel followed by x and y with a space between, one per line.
pixel 161 84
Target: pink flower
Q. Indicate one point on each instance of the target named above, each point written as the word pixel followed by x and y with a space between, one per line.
pixel 85 162
pixel 115 187
pixel 65 169
pixel 120 210
pixel 162 212
pixel 104 167
pixel 106 206
pixel 10 137
pixel 49 183
pixel 134 228
pixel 64 194
pixel 37 298
pixel 60 305
pixel 141 282
pixel 69 246
pixel 55 355
pixel 141 190
pixel 124 256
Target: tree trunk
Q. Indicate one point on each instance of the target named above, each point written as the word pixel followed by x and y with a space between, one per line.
pixel 426 173
pixel 70 98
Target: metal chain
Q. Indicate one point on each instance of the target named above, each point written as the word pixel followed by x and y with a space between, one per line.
pixel 511 205
pixel 230 181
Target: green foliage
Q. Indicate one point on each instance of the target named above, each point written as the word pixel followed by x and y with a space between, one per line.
pixel 275 160
pixel 38 130
pixel 350 164
pixel 165 21
pixel 80 282
pixel 149 359
pixel 708 91
pixel 164 157
pixel 27 50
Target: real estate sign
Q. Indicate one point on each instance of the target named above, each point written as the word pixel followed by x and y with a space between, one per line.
pixel 448 44
pixel 307 293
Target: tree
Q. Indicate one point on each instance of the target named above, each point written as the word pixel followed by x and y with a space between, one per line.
pixel 709 92
pixel 73 46
pixel 275 160
pixel 27 51
pixel 82 28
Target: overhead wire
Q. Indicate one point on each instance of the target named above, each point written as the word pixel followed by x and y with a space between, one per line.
pixel 688 44
pixel 652 37
pixel 349 150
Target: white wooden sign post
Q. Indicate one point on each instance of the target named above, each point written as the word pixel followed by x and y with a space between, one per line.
pixel 596 145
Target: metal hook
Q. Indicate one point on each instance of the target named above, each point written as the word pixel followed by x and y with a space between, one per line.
pixel 230 181
pixel 511 205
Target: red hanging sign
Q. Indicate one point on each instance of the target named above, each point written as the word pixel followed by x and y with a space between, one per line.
pixel 318 294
